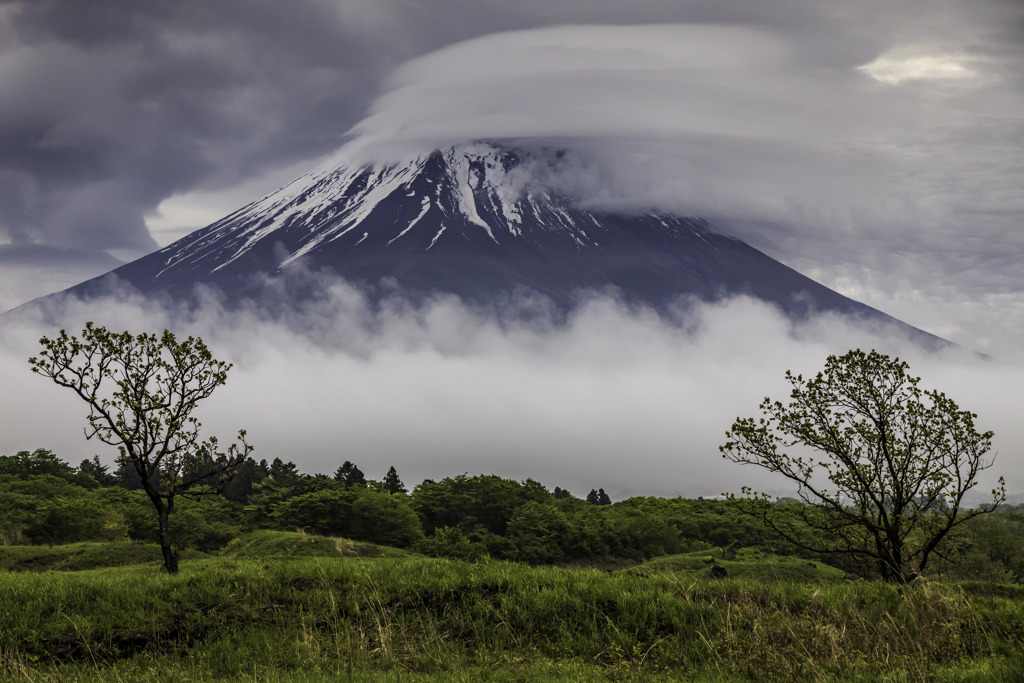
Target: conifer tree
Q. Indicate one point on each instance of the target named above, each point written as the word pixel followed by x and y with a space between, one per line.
pixel 392 484
pixel 350 475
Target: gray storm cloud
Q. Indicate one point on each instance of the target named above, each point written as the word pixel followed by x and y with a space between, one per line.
pixel 873 145
pixel 615 397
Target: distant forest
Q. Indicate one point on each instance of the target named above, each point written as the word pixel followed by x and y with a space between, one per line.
pixel 45 500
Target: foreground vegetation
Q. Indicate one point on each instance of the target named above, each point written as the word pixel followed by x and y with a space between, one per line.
pixel 469 578
pixel 312 608
pixel 46 501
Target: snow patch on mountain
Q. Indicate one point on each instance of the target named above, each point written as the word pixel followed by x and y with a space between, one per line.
pixel 479 186
pixel 423 212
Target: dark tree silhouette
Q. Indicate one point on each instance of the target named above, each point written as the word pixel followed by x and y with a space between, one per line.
pixel 881 466
pixel 248 475
pixel 602 498
pixel 350 475
pixel 284 473
pixel 392 484
pixel 141 391
pixel 39 461
pixel 98 471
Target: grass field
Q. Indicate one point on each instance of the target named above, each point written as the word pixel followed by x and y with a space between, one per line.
pixel 291 607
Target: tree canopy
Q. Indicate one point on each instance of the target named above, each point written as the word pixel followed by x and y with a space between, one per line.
pixel 141 391
pixel 881 466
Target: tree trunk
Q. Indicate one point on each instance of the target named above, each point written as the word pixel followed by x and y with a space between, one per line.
pixel 897 560
pixel 163 513
pixel 170 554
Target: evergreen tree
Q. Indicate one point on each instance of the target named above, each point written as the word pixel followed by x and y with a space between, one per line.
pixel 39 461
pixel 284 473
pixel 98 471
pixel 593 497
pixel 247 476
pixel 562 494
pixel 128 477
pixel 602 498
pixel 392 484
pixel 350 475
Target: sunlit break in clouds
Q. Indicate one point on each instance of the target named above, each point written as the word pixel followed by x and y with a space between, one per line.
pixel 901 66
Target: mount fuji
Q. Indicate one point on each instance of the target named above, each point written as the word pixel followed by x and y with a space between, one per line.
pixel 468 220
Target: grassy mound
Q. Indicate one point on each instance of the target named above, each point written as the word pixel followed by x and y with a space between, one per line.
pixel 748 564
pixel 280 544
pixel 255 545
pixel 81 556
pixel 298 544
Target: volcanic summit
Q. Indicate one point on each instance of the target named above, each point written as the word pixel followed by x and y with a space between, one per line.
pixel 467 220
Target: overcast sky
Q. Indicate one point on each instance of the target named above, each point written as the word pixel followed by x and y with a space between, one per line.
pixel 875 146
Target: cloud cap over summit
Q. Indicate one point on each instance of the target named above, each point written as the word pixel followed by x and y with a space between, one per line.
pixel 127 124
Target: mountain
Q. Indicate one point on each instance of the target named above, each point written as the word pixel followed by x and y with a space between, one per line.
pixel 468 220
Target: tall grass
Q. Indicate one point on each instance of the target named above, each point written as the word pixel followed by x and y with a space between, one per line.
pixel 309 618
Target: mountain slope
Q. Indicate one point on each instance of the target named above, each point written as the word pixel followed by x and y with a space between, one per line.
pixel 467 221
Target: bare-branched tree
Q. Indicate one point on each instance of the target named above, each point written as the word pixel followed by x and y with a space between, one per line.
pixel 141 390
pixel 882 466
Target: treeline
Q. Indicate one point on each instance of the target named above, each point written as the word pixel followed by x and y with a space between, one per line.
pixel 45 500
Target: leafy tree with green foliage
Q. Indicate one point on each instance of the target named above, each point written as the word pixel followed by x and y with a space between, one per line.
pixel 993 543
pixel 325 511
pixel 392 484
pixel 638 535
pixel 127 476
pixel 39 461
pixel 43 462
pixel 271 492
pixel 384 518
pixel 881 466
pixel 454 543
pixel 78 518
pixel 483 500
pixel 141 391
pixel 589 534
pixel 538 530
pixel 205 524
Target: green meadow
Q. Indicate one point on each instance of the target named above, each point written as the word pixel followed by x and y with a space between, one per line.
pixel 290 606
pixel 296 577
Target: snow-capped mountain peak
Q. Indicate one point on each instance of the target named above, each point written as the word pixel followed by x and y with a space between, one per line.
pixel 475 220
